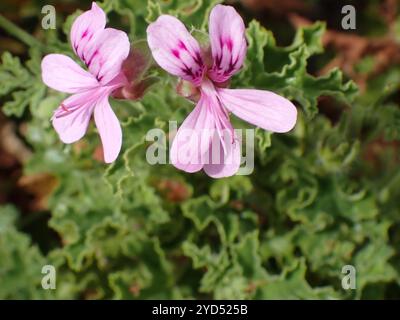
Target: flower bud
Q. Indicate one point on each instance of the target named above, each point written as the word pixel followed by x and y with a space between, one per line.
pixel 135 68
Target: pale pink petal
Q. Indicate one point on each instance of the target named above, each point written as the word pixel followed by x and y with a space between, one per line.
pixel 106 53
pixel 61 73
pixel 229 161
pixel 192 140
pixel 175 49
pixel 102 50
pixel 109 129
pixel 85 27
pixel 224 152
pixel 261 108
pixel 228 42
pixel 72 118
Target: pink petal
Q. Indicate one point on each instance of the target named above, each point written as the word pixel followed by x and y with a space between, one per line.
pixel 174 48
pixel 61 73
pixel 102 50
pixel 192 141
pixel 262 108
pixel 72 118
pixel 206 139
pixel 228 42
pixel 109 129
pixel 224 153
pixel 106 53
pixel 85 27
pixel 228 162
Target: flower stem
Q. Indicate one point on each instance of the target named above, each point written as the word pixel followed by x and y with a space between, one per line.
pixel 18 33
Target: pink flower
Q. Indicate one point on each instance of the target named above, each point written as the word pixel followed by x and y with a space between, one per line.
pixel 207 134
pixel 102 50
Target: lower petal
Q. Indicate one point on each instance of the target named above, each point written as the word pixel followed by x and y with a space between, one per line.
pixel 262 108
pixel 192 141
pixel 72 118
pixel 109 129
pixel 224 156
pixel 61 73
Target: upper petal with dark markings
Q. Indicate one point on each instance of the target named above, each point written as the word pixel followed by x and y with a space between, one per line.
pixel 85 27
pixel 175 49
pixel 228 42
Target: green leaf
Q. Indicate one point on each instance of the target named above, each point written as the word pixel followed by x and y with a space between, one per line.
pixel 284 70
